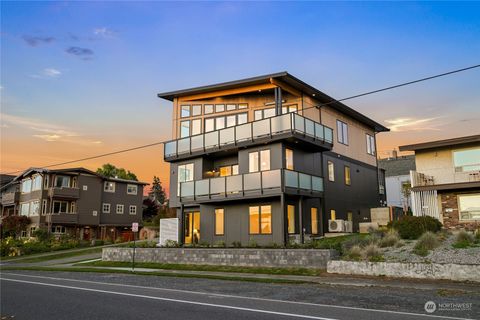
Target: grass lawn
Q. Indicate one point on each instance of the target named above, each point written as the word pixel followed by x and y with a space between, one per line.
pixel 197 267
pixel 55 256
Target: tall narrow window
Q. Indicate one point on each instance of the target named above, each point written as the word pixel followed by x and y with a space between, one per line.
pixel 44 206
pixel 370 144
pixel 219 222
pixel 291 218
pixel 73 207
pixel 342 132
pixel 254 215
pixel 347 176
pixel 333 215
pixel 253 162
pixel 185 112
pixel 264 160
pixel 314 220
pixel 289 159
pixel 331 171
pixel 184 129
pixel 185 173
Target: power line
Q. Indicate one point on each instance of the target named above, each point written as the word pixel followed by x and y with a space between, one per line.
pixel 317 106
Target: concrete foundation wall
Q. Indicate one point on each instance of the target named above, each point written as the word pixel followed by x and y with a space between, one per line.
pixel 303 258
pixel 456 272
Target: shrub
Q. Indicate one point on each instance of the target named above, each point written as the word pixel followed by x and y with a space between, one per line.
pixel 42 234
pixel 372 251
pixel 463 240
pixel 428 241
pixel 252 243
pixel 409 227
pixel 390 239
pixel 354 253
pixel 236 244
pixel 171 244
pixel 220 244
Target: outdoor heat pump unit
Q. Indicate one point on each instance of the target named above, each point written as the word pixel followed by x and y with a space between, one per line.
pixel 336 225
pixel 348 226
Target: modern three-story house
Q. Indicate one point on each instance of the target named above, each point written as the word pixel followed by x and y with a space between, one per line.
pixel 268 159
pixel 446 183
pixel 75 201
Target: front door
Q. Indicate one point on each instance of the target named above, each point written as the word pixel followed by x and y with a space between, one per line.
pixel 192 227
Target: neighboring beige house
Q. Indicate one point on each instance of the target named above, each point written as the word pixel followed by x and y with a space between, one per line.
pixel 446 184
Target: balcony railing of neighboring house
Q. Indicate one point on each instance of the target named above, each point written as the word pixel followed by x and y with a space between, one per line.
pixel 289 123
pixel 63 217
pixel 442 176
pixel 64 192
pixel 420 179
pixel 256 183
pixel 10 198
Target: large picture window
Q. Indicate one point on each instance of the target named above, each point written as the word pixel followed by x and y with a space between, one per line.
pixel 342 132
pixel 469 206
pixel 467 160
pixel 260 220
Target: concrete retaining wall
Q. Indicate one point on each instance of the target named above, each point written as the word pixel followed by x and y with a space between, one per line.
pixel 457 272
pixel 304 258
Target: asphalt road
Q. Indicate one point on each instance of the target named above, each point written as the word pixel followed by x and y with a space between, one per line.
pixel 65 295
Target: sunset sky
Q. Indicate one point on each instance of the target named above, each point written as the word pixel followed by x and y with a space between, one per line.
pixel 81 78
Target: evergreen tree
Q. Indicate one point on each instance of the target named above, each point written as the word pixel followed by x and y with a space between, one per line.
pixel 157 191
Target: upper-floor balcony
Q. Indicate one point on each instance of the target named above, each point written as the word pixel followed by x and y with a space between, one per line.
pixel 285 126
pixel 255 184
pixel 9 198
pixel 443 176
pixel 64 192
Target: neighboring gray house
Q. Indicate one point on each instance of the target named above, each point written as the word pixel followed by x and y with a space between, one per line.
pixel 397 180
pixel 75 201
pixel 264 160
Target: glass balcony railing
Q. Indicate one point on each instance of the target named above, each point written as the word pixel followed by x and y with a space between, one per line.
pixel 282 180
pixel 270 127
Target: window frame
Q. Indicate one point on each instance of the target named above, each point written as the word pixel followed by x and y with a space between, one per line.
pixel 29 181
pixel 259 161
pixel 67 178
pixel 182 127
pixel 129 185
pixel 459 196
pixel 196 110
pixel 217 211
pixel 342 133
pixel 184 108
pixel 205 106
pixel 331 173
pixel 108 189
pixel 106 205
pixel 259 225
pixel 347 172
pixel 119 206
pixel 289 163
pixel 219 107
pixel 314 213
pixel 460 169
pixel 291 222
pixel 371 149
pixel 60 208
pixel 130 210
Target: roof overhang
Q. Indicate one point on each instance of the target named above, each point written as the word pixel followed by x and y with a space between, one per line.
pixel 442 143
pixel 450 186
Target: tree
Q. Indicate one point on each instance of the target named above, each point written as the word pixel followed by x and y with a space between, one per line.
pixel 150 209
pixel 14 225
pixel 157 191
pixel 110 171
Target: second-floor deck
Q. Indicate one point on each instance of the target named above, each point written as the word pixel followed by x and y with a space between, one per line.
pixel 441 177
pixel 10 198
pixel 290 125
pixel 255 184
pixel 64 192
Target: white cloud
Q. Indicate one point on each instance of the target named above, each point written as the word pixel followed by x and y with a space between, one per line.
pixel 412 124
pixel 47 73
pixel 103 32
pixel 48 137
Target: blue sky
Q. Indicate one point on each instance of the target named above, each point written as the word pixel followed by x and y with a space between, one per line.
pixel 80 78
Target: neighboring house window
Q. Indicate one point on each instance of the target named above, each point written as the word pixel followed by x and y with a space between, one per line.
pixel 25 209
pixel 342 132
pixel 226 171
pixel 23 234
pixel 208 108
pixel 132 189
pixel 260 220
pixel 133 210
pixel 62 182
pixel 314 220
pixel 74 182
pixel 219 107
pixel 60 206
pixel 109 186
pixel 466 160
pixel 185 173
pixel 185 112
pixel 106 208
pixel 196 126
pixel 196 110
pixel 231 107
pixel 291 218
pixel 59 229
pixel 45 181
pixel 32 231
pixel 120 208
pixel 242 105
pixel 331 171
pixel 347 176
pixel 184 128
pixel 44 206
pixel 37 182
pixel 469 206
pixel 259 161
pixel 73 207
pixel 333 215
pixel 26 186
pixel 289 159
pixel 370 144
pixel 34 208
pixel 219 222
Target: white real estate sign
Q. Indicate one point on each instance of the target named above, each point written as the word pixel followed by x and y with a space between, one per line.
pixel 168 230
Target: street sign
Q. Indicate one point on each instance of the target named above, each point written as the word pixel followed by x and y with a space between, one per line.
pixel 135 226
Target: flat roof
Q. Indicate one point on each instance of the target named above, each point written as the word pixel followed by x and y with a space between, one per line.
pixel 286 78
pixel 441 143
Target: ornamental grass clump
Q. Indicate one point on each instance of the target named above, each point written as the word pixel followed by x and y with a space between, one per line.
pixel 354 253
pixel 428 241
pixel 464 240
pixel 372 252
pixel 390 239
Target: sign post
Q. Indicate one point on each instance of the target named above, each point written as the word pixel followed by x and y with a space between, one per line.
pixel 134 230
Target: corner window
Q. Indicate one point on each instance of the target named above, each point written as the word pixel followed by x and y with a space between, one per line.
pixel 370 144
pixel 469 206
pixel 219 222
pixel 466 160
pixel 133 210
pixel 196 110
pixel 314 220
pixel 289 159
pixel 132 189
pixel 185 112
pixel 208 108
pixel 184 129
pixel 347 176
pixel 109 186
pixel 291 218
pixel 342 132
pixel 331 171
pixel 62 182
pixel 260 220
pixel 106 208
pixel 120 208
